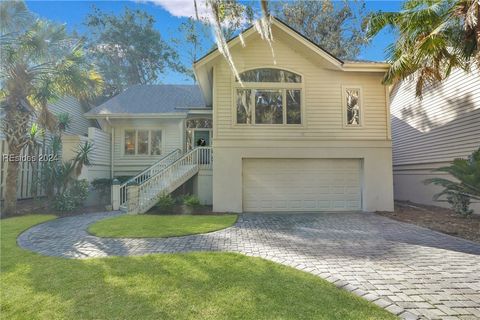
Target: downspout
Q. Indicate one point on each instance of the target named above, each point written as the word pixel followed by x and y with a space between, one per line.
pixel 112 145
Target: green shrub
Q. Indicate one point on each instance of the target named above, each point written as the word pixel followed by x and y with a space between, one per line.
pixel 191 201
pixel 165 202
pixel 460 204
pixel 123 179
pixel 466 185
pixel 73 197
pixel 102 186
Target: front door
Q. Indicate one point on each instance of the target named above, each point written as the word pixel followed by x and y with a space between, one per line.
pixel 201 138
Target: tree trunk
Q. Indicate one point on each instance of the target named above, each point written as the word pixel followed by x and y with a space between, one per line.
pixel 15 128
pixel 11 188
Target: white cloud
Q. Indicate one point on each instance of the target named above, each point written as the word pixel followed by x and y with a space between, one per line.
pixel 183 8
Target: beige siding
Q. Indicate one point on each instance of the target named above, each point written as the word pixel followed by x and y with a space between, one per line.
pixel 441 126
pixel 172 138
pixel 322 94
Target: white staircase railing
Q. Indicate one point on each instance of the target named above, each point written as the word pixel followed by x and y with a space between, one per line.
pixel 149 172
pixel 173 176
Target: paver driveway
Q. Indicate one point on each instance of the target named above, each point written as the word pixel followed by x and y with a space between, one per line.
pixel 408 270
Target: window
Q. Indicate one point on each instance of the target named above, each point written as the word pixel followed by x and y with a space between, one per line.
pixel 143 142
pixel 293 107
pixel 156 148
pixel 270 75
pixel 353 108
pixel 269 96
pixel 244 101
pixel 142 138
pixel 130 142
pixel 268 107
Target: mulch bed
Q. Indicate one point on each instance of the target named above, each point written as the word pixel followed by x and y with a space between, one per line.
pixel 39 206
pixel 436 218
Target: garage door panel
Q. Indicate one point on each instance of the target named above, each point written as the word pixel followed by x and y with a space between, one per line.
pixel 301 184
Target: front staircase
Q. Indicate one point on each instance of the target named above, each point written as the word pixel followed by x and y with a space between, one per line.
pixel 163 177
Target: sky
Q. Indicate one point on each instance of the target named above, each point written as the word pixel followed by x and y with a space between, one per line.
pixel 169 14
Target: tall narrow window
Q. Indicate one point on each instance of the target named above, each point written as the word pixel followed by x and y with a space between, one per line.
pixel 130 142
pixel 156 147
pixel 244 101
pixel 142 142
pixel 353 106
pixel 293 107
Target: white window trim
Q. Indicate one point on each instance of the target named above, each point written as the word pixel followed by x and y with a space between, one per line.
pixel 282 86
pixel 345 125
pixel 149 129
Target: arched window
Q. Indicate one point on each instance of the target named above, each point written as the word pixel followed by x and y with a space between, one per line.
pixel 270 75
pixel 269 96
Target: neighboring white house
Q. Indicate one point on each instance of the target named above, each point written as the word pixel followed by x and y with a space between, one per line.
pixel 79 129
pixel 430 132
pixel 303 131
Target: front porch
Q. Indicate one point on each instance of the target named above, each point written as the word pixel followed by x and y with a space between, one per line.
pixel 141 192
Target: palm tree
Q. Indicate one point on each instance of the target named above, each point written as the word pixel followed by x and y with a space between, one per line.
pixel 38 65
pixel 435 36
pixel 467 179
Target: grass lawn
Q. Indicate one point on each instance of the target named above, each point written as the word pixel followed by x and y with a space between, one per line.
pixel 151 226
pixel 170 286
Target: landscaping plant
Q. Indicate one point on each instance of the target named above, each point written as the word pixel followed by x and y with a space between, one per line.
pixel 466 185
pixel 191 200
pixel 165 202
pixel 102 186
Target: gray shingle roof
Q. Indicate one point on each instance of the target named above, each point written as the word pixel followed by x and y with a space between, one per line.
pixel 142 99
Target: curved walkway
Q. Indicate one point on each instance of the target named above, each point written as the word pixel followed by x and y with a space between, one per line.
pixel 411 271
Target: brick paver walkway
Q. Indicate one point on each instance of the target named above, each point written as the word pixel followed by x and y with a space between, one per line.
pixel 411 271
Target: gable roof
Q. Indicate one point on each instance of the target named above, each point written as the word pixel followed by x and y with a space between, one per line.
pixel 152 99
pixel 203 67
pixel 335 61
pixel 275 20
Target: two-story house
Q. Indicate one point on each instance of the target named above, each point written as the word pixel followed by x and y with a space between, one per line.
pixel 301 130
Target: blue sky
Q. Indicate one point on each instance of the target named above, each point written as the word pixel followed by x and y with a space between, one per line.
pixel 169 14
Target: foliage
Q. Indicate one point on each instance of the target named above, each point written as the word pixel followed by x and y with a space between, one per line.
pixel 165 202
pixel 128 49
pixel 73 197
pixel 33 148
pixel 164 286
pixel 192 33
pixel 435 37
pixel 82 157
pixel 460 204
pixel 466 184
pixel 102 186
pixel 40 62
pixel 191 201
pixel 60 178
pixel 123 179
pixel 337 28
pixel 64 121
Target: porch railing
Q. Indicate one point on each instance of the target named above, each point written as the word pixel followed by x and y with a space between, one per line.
pixel 149 172
pixel 173 176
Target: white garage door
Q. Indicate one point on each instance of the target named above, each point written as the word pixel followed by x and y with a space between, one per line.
pixel 301 184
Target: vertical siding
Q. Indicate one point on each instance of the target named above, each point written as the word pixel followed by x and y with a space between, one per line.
pixel 323 118
pixel 441 126
pixel 172 133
